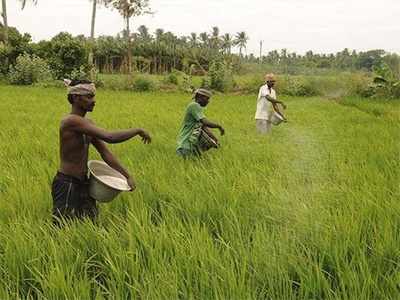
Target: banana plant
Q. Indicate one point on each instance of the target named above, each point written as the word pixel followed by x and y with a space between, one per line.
pixel 385 81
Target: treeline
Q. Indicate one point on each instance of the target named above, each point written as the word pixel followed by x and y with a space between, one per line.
pixel 161 52
pixel 344 60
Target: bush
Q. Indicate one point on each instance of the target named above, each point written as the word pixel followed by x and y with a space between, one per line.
pixel 221 76
pixel 171 78
pixel 250 84
pixel 66 55
pixel 29 70
pixel 187 83
pixel 143 84
pixel 17 45
pixel 205 83
pixel 297 86
pixel 85 73
pixel 359 85
pixel 386 82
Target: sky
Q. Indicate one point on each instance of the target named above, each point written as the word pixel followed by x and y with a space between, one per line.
pixel 323 26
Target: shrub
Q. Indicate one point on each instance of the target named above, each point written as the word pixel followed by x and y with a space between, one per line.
pixel 359 85
pixel 17 45
pixel 171 78
pixel 221 76
pixel 187 84
pixel 86 73
pixel 251 84
pixel 297 86
pixel 205 83
pixel 29 70
pixel 67 54
pixel 386 83
pixel 143 84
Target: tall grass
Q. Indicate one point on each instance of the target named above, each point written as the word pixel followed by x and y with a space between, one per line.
pixel 309 212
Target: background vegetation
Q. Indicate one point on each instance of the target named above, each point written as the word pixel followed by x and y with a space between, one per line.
pixel 208 55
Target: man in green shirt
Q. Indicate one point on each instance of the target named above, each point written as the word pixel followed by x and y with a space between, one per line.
pixel 193 122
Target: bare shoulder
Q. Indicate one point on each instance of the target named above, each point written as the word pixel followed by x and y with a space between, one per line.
pixel 72 120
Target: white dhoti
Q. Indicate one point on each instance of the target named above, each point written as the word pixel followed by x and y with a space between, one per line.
pixel 263 126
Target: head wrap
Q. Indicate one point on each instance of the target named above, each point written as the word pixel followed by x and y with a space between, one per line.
pixel 80 89
pixel 269 77
pixel 203 92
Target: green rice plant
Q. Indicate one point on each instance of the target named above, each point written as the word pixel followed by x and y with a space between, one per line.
pixel 310 211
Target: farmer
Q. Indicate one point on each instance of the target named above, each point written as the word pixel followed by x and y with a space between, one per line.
pixel 266 105
pixel 194 124
pixel 70 185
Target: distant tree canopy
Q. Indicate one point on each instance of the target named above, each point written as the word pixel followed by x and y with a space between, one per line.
pixel 162 51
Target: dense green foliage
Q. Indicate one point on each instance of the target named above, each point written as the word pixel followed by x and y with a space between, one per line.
pixel 164 51
pixel 309 212
pixel 208 55
pixel 29 70
pixel 332 86
pixel 143 84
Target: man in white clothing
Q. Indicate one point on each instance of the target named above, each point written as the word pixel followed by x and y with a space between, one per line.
pixel 265 105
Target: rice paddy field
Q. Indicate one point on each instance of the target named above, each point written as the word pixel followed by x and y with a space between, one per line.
pixel 311 211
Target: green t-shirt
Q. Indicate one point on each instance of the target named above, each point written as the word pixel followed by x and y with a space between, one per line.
pixel 194 113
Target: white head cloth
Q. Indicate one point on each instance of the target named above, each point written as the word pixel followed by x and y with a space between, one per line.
pixel 80 89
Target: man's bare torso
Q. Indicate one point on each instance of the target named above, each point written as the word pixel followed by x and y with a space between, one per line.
pixel 74 149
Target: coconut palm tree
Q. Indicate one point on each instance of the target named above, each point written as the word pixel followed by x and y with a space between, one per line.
pixel 241 41
pixel 129 9
pixel 204 39
pixel 4 15
pixel 227 42
pixel 214 38
pixel 159 34
pixel 193 39
pixel 92 25
pixel 143 33
pixel 23 2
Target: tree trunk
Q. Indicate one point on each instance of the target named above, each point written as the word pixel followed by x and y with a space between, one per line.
pixel 90 58
pixel 93 19
pixel 4 15
pixel 128 36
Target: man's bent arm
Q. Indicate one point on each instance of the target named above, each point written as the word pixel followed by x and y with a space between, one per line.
pixel 210 124
pixel 209 132
pixel 274 101
pixel 110 159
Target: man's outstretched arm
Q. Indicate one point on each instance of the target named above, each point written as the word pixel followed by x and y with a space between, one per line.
pixel 85 126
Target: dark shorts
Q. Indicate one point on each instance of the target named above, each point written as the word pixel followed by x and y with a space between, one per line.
pixel 71 198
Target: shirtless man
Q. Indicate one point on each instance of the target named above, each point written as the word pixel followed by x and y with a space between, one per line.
pixel 70 185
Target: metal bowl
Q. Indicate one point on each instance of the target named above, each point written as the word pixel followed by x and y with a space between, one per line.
pixel 277 119
pixel 105 183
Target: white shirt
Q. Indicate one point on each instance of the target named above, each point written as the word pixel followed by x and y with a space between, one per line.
pixel 264 107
